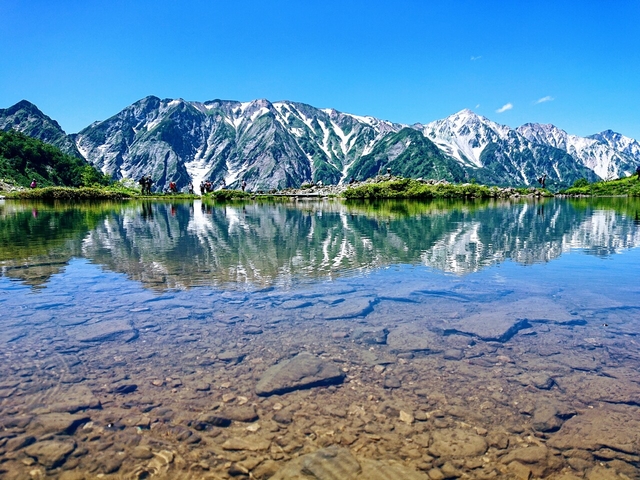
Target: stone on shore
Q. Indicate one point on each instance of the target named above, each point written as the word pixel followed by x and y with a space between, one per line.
pixel 300 372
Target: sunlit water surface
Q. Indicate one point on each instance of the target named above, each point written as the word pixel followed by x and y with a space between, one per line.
pixel 465 332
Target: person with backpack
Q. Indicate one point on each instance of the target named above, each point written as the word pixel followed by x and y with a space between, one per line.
pixel 542 180
pixel 34 184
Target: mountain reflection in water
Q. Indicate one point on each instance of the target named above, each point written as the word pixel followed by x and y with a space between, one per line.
pixel 526 366
pixel 180 245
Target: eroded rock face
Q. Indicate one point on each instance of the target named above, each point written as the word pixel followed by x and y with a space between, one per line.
pixel 302 371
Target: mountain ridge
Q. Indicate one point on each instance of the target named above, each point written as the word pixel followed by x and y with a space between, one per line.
pixel 284 144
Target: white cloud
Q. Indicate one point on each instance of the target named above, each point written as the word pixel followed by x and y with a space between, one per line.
pixel 548 98
pixel 505 107
pixel 473 59
pixel 478 106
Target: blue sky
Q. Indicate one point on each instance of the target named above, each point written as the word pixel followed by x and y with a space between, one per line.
pixel 575 64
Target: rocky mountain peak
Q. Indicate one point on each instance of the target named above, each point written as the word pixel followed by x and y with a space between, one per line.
pixel 26 118
pixel 545 134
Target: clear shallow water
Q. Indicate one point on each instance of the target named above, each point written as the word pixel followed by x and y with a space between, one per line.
pixel 501 326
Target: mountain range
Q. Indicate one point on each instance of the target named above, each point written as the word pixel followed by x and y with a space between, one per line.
pixel 285 144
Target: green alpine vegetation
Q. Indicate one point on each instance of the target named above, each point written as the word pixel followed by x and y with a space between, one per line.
pixel 73 193
pixel 408 153
pixel 623 186
pixel 23 159
pixel 410 188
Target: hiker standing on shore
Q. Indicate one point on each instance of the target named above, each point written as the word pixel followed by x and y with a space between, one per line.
pixel 147 185
pixel 542 180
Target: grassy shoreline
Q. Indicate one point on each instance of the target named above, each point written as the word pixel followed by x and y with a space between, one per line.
pixel 381 188
pixel 627 186
pixel 414 189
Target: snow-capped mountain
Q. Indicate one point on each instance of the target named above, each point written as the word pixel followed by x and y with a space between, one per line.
pixel 494 153
pixel 269 145
pixel 609 154
pixel 465 135
pixel 284 144
pixel 625 145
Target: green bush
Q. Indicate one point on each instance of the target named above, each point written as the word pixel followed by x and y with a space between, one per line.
pixel 409 188
pixel 69 193
pixel 226 195
pixel 581 182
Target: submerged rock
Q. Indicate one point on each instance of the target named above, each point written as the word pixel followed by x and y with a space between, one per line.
pixel 60 423
pixel 457 443
pixel 617 428
pixel 106 330
pixel 549 416
pixel 300 372
pixel 371 337
pixel 414 337
pixel 589 387
pixel 488 326
pixel 354 307
pixel 335 463
pixel 51 453
pixel 253 444
pixel 241 414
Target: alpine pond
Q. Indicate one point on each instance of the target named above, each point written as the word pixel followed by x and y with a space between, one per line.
pixel 314 339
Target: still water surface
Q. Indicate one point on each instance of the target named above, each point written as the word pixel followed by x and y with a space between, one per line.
pixel 474 340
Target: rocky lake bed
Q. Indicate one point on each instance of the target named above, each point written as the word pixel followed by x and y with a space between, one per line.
pixel 330 383
pixel 168 341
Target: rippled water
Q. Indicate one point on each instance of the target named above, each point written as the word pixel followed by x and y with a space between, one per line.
pixel 474 340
